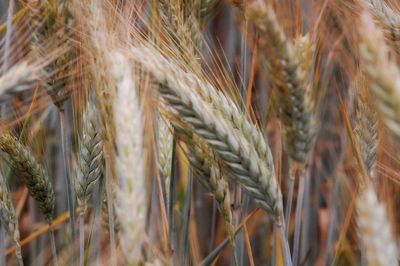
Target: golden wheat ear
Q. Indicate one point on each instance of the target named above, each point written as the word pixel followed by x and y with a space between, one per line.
pixel 375 230
pixel 366 127
pixel 289 65
pixel 382 75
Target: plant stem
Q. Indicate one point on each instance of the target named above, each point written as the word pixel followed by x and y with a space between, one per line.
pixel 288 211
pixel 186 221
pixel 111 215
pixel 70 193
pixel 285 243
pixel 53 246
pixel 213 224
pixel 172 195
pixel 2 246
pixel 299 208
pixel 81 237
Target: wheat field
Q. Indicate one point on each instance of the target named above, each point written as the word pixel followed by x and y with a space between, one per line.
pixel 199 132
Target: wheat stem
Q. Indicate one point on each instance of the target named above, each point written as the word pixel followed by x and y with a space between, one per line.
pixel 291 183
pixel 81 237
pixel 111 217
pixel 53 246
pixel 298 218
pixel 67 176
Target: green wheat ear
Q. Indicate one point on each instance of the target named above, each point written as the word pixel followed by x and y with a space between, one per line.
pixel 91 156
pixel 31 172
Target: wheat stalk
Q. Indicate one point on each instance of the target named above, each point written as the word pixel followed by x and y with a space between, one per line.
pixel 31 172
pixel 129 161
pixel 382 74
pixel 374 230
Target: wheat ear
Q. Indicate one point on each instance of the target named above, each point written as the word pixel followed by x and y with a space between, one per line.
pixel 241 153
pixel 91 157
pixel 290 78
pixel 258 179
pixel 209 174
pixel 55 19
pixel 374 230
pixel 382 74
pixel 106 215
pixel 230 144
pixel 31 172
pixel 366 132
pixel 52 19
pixel 165 69
pixel 90 165
pixel 165 145
pixel 8 218
pixel 18 78
pixel 129 162
pixel 387 18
